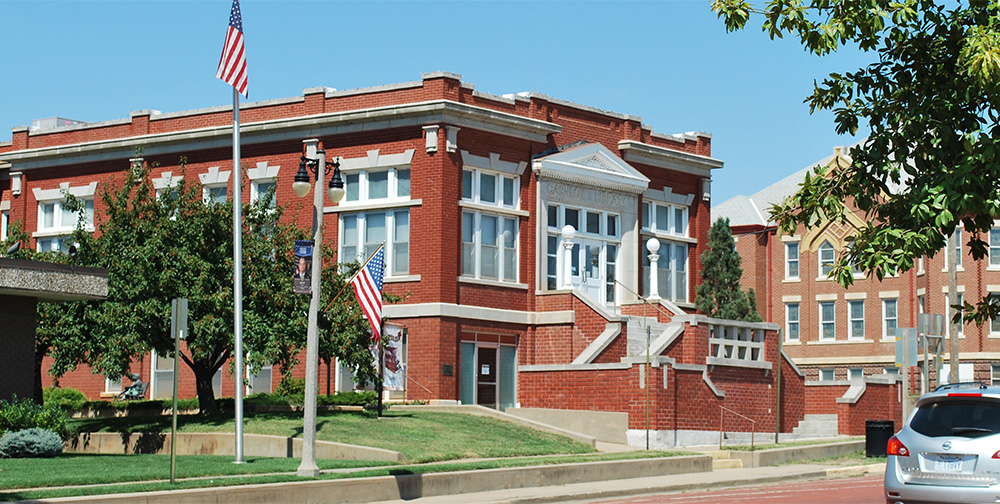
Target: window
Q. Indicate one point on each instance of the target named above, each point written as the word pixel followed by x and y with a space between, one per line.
pixel 792 322
pixel 261 189
pixel 215 193
pixel 671 271
pixel 56 221
pixel 951 312
pixel 4 217
pixel 362 233
pixel 489 246
pixel 791 260
pixel 894 371
pixel 827 322
pixel 856 312
pixel 827 256
pixel 664 218
pixel 370 185
pixel 112 385
pixel 855 373
pixel 995 375
pixel 826 374
pixel 492 189
pixel 490 238
pixel 889 318
pixel 994 323
pixel 995 246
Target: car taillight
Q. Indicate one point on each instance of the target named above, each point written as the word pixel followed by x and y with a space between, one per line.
pixel 897 448
pixel 996 455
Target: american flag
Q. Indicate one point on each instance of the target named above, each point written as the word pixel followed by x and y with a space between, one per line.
pixel 367 286
pixel 233 63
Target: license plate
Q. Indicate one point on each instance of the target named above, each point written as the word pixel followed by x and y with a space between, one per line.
pixel 948 464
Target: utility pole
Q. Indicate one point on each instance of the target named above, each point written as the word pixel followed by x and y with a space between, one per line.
pixel 954 327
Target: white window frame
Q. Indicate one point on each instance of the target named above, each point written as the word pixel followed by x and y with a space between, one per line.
pixel 477 247
pixel 823 322
pixel 994 250
pixel 112 386
pixel 392 268
pixel 651 218
pixel 791 259
pixel 357 185
pixel 823 372
pixel 825 247
pixel 263 174
pixel 855 373
pixel 886 318
pixel 797 321
pixel 947 317
pixel 556 220
pixel 4 218
pixel 214 180
pixel 994 323
pixel 475 176
pixel 851 319
pixel 55 236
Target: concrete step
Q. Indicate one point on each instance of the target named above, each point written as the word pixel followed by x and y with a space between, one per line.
pixel 817 425
pixel 726 464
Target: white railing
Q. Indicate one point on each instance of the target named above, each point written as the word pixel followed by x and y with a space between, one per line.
pixel 735 345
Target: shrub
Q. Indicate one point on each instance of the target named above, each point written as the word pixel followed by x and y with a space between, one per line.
pixel 350 398
pixel 289 386
pixel 66 398
pixel 28 443
pixel 23 414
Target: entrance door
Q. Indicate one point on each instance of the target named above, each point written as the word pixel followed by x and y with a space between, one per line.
pixel 591 277
pixel 486 376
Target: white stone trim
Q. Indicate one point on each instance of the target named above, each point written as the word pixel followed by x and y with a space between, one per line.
pixel 856 295
pixel 493 163
pixel 826 297
pixel 667 196
pixel 215 177
pixel 791 299
pixel 46 195
pixel 888 294
pixel 263 172
pixel 165 180
pixel 431 137
pixel 375 159
pixel 480 313
pixel 959 288
pixel 479 207
pixel 670 159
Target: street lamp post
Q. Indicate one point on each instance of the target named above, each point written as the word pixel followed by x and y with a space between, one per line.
pixel 315 160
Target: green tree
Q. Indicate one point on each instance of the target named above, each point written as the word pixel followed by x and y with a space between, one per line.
pixel 719 295
pixel 160 247
pixel 930 97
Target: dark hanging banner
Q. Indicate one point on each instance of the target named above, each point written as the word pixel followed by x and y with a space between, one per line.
pixel 302 280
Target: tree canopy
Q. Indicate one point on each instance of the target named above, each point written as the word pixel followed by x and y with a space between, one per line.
pixel 161 245
pixel 930 98
pixel 719 295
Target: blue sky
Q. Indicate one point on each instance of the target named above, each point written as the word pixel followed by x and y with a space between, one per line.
pixel 670 62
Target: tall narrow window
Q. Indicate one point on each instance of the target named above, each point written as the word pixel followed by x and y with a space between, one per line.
pixel 791 260
pixel 889 318
pixel 827 256
pixel 995 246
pixel 856 310
pixel 827 320
pixel 792 322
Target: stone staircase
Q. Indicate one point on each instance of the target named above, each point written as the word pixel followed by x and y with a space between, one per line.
pixel 724 460
pixel 816 426
pixel 637 333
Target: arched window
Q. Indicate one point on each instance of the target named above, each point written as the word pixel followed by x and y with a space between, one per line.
pixel 826 259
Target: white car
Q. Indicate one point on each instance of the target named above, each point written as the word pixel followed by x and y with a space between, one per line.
pixel 949 449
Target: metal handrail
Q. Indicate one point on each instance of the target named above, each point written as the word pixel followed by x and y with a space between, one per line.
pixel 753 428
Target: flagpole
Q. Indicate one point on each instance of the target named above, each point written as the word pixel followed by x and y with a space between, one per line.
pixel 237 277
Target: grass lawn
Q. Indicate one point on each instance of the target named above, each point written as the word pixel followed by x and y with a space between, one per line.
pixel 422 436
pixel 131 469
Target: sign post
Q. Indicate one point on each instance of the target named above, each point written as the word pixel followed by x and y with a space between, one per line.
pixel 178 328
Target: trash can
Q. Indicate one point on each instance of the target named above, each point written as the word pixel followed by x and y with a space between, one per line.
pixel 877 434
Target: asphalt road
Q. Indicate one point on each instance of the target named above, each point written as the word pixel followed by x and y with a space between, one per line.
pixel 859 490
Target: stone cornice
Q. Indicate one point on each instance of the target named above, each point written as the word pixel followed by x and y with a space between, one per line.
pixel 352 121
pixel 662 157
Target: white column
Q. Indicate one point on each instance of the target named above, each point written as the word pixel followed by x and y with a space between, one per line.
pixel 653 246
pixel 568 232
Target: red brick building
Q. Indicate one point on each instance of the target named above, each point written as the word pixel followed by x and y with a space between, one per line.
pixel 517 225
pixel 836 334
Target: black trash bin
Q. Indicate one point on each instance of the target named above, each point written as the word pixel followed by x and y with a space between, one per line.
pixel 877 434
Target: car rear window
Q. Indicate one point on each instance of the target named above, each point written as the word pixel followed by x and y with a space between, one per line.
pixel 965 418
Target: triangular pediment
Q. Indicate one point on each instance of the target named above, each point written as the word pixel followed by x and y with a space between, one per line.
pixel 591 164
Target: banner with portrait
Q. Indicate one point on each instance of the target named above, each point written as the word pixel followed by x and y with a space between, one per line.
pixel 302 275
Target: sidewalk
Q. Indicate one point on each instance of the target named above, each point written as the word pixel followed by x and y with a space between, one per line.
pixel 601 490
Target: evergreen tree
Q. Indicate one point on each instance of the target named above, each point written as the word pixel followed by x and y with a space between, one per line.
pixel 719 294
